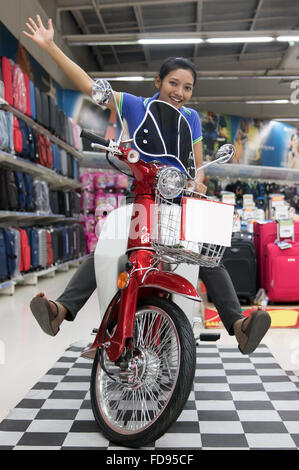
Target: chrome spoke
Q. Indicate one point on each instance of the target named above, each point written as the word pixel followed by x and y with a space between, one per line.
pixel 140 394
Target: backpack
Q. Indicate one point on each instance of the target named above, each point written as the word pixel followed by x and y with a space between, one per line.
pixel 44 150
pixel 7 80
pixel 19 89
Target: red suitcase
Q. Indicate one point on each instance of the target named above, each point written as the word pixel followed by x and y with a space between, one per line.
pixel 50 259
pixel 263 235
pixel 282 273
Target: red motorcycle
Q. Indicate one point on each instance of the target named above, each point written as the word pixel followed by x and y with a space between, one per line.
pixel 145 351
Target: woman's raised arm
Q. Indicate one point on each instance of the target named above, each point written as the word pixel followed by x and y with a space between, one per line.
pixel 44 37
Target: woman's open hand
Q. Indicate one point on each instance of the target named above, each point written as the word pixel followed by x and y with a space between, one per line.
pixel 39 34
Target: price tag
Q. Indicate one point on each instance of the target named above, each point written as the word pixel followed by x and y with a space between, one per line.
pixel 286 229
pixel 282 212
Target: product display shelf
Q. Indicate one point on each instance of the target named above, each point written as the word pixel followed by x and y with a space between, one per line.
pixel 32 278
pixel 34 217
pixel 55 180
pixel 41 129
pixel 262 173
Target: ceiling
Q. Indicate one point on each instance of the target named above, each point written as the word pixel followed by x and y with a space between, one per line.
pixel 229 74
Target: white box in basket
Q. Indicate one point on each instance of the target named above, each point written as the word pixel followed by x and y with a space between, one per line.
pixel 206 221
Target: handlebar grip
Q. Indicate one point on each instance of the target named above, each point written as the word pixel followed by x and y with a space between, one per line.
pixel 94 138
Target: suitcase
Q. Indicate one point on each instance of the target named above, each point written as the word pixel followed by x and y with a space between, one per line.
pixel 263 235
pixel 282 273
pixel 3 257
pixel 20 184
pixel 28 95
pixel 29 200
pixel 25 259
pixel 49 248
pixel 65 244
pixel 34 245
pixel 11 249
pixel 240 262
pixel 8 190
pixel 42 246
pixel 16 232
pixel 56 240
pixel 41 196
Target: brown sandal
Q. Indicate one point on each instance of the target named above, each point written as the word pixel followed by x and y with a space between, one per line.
pixel 42 312
pixel 253 329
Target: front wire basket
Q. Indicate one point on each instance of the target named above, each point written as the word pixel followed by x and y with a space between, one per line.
pixel 166 236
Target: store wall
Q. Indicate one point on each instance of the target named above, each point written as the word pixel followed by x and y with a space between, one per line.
pixel 14 14
pixel 257 142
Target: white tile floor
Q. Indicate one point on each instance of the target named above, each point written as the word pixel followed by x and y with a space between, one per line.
pixel 26 353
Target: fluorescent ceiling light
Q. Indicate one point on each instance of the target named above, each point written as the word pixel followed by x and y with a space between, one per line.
pixel 240 39
pixel 288 38
pixel 126 79
pixel 267 102
pixel 287 119
pixel 170 41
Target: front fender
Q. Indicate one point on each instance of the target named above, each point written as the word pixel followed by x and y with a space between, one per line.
pixel 171 282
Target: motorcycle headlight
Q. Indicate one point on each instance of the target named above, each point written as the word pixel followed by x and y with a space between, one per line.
pixel 171 182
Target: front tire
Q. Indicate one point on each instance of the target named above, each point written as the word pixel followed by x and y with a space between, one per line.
pixel 148 396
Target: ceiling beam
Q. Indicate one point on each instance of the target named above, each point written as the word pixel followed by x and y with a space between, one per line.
pixel 252 26
pixel 139 19
pixel 102 23
pixel 80 20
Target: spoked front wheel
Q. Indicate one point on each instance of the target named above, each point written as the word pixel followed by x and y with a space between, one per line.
pixel 144 393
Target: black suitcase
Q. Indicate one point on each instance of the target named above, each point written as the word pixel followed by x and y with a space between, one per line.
pixel 240 262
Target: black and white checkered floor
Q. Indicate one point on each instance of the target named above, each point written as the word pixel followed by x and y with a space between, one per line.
pixel 237 402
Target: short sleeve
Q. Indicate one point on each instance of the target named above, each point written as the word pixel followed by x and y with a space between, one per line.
pixel 196 128
pixel 126 105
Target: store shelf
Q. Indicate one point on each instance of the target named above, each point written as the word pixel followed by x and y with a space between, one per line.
pixel 40 129
pixel 54 180
pixel 32 278
pixel 37 217
pixel 266 173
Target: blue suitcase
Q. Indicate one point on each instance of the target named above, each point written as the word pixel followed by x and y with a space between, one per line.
pixel 11 251
pixel 34 245
pixel 3 257
pixel 29 199
pixel 65 244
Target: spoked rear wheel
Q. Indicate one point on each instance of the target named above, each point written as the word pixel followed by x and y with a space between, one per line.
pixel 142 395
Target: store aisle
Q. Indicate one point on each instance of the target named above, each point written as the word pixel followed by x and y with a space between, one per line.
pixel 26 353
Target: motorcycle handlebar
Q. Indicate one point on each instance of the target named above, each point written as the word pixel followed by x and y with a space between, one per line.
pixel 94 138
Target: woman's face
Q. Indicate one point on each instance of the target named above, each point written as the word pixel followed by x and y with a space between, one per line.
pixel 176 88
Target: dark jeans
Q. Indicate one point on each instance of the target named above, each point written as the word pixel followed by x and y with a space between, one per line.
pixel 217 281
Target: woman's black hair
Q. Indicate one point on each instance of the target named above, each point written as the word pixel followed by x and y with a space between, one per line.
pixel 174 63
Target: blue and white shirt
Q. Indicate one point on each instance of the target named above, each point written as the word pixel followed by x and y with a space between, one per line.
pixel 133 108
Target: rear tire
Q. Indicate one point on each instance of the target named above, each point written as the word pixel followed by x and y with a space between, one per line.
pixel 138 409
